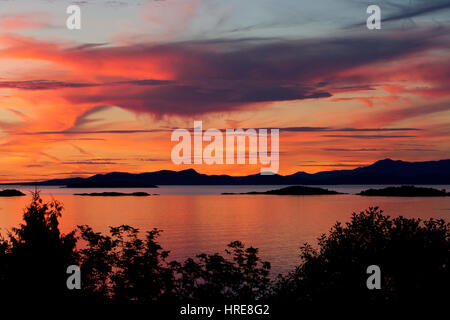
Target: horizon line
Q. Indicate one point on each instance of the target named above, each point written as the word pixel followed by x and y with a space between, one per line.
pixel 221 174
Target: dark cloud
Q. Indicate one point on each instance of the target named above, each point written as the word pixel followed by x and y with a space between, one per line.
pixel 367 136
pixel 330 129
pixel 228 74
pixel 90 162
pixel 411 10
pixel 305 129
pixel 89 132
pixel 77 139
pixel 94 161
pixel 377 129
pixel 151 159
pixel 84 118
pixel 223 74
pixel 376 149
pixel 42 84
pixel 417 150
pixel 426 7
pixel 145 82
pixel 353 150
pixel 52 85
pixel 201 97
pixel 88 46
pixel 285 129
pixel 335 165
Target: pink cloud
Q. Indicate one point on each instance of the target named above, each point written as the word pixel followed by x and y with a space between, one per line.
pixel 24 22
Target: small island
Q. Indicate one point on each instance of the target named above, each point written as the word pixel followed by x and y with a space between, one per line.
pixel 11 193
pixel 293 191
pixel 405 191
pixel 113 194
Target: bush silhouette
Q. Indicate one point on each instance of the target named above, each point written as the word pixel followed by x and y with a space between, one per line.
pixel 212 277
pixel 413 256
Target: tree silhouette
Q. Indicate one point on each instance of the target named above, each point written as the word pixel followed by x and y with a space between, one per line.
pixel 122 267
pixel 36 255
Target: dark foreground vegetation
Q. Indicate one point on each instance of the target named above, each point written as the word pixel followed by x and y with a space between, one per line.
pixel 405 191
pixel 127 269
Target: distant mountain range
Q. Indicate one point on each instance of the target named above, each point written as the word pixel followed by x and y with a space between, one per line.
pixel 385 171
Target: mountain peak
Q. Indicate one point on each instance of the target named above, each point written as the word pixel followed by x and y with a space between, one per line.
pixel 387 161
pixel 190 171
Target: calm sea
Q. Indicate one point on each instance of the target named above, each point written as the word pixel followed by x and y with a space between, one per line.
pixel 199 219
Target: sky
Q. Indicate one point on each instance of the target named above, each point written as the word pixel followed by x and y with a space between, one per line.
pixel 108 96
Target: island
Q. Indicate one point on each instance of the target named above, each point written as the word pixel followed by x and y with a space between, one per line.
pixel 113 194
pixel 11 193
pixel 405 191
pixel 293 191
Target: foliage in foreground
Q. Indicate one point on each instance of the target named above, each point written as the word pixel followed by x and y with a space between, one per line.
pixel 121 267
pixel 413 256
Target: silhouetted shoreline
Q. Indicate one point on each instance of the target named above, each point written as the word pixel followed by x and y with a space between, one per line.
pixel 405 191
pixel 293 190
pixel 11 193
pixel 401 191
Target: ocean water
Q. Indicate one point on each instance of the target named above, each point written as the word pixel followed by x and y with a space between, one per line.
pixel 197 219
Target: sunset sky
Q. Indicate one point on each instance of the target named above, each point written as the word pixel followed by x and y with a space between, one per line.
pixel 107 97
